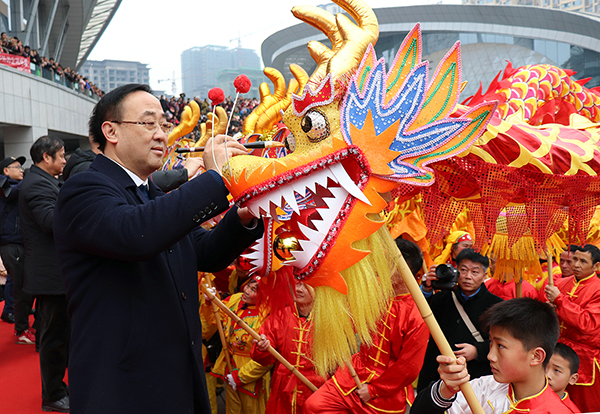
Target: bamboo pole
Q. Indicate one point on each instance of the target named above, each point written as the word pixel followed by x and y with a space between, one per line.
pixel 220 327
pixel 519 288
pixel 434 328
pixel 217 302
pixel 354 375
pixel 549 263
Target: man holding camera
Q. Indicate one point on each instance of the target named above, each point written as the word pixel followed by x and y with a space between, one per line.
pixel 457 308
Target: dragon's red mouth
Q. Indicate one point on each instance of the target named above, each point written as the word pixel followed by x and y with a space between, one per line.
pixel 316 199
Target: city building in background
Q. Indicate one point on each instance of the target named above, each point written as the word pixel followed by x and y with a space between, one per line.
pixel 66 31
pixel 584 6
pixel 202 67
pixel 110 74
pixel 489 35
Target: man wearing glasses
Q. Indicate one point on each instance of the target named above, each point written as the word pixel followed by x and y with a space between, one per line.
pixel 130 256
pixel 11 247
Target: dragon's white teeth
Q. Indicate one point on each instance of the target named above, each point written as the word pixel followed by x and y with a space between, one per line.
pixel 273 212
pixel 344 180
pixel 314 236
pixel 311 181
pixel 254 210
pixel 289 197
pixel 303 257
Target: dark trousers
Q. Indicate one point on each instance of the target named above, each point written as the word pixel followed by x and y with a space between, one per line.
pixel 13 255
pixel 55 333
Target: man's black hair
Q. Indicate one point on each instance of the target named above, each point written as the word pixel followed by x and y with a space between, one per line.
pixel 109 109
pixel 530 321
pixel 473 256
pixel 411 253
pixel 45 145
pixel 592 250
pixel 570 355
pixel 572 248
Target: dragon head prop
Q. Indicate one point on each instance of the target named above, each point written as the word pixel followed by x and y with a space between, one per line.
pixel 355 132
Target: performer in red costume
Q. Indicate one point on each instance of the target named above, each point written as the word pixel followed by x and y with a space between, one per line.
pixel 289 332
pixel 577 301
pixel 387 368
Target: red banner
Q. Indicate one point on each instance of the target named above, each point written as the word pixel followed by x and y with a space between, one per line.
pixel 18 62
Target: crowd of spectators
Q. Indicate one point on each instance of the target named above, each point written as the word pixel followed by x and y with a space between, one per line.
pixel 174 107
pixel 14 46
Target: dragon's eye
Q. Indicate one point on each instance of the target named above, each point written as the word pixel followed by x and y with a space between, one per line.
pixel 290 142
pixel 315 124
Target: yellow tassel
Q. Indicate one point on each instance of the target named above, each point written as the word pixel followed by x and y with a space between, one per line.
pixel 340 321
pixel 333 334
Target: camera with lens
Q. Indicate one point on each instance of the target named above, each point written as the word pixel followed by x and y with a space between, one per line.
pixel 447 277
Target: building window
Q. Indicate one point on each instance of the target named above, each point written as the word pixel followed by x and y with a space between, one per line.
pixel 577 3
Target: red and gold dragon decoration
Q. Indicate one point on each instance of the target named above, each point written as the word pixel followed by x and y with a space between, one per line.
pixel 356 132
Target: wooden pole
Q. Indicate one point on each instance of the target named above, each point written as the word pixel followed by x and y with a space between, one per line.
pixel 256 336
pixel 220 327
pixel 354 375
pixel 434 328
pixel 549 263
pixel 519 287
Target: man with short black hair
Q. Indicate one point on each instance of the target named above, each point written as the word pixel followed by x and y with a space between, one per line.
pixel 455 310
pixel 43 280
pixel 11 246
pixel 130 258
pixel 577 302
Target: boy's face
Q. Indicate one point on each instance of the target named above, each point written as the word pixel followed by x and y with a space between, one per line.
pixel 509 360
pixel 559 374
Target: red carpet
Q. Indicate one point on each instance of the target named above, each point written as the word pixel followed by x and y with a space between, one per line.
pixel 20 383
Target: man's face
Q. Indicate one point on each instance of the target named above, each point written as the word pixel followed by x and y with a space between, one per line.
pixel 559 375
pixel 582 264
pixel 138 149
pixel 303 295
pixel 471 275
pixel 250 292
pixel 57 163
pixel 566 264
pixel 459 247
pixel 508 358
pixel 14 171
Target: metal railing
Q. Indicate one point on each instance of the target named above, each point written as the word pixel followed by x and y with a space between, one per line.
pixel 61 79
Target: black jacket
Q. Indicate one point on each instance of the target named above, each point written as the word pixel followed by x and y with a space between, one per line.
pixel 456 331
pixel 10 220
pixel 130 267
pixel 78 162
pixel 39 191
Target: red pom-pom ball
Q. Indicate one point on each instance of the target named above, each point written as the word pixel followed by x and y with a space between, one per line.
pixel 216 95
pixel 242 84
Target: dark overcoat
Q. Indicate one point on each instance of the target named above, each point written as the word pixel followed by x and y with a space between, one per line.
pixel 130 267
pixel 37 198
pixel 456 331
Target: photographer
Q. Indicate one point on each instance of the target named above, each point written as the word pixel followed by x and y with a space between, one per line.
pixel 456 307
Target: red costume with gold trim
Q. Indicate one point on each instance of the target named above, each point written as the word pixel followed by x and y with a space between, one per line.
pixel 291 336
pixel 578 309
pixel 388 367
pixel 569 404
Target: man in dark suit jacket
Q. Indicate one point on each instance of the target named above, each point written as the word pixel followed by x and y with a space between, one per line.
pixel 43 280
pixel 130 261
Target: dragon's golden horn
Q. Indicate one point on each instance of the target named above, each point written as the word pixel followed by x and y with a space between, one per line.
pixel 341 59
pixel 266 99
pixel 189 119
pixel 218 121
pixel 300 75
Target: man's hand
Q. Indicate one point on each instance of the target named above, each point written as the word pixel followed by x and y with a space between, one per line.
pixel 192 165
pixel 212 290
pixel 430 276
pixel 214 160
pixel 245 216
pixel 231 382
pixel 453 375
pixel 234 379
pixel 552 293
pixel 363 393
pixel 263 344
pixel 468 351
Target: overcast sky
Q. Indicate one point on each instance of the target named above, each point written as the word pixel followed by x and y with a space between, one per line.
pixel 155 32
